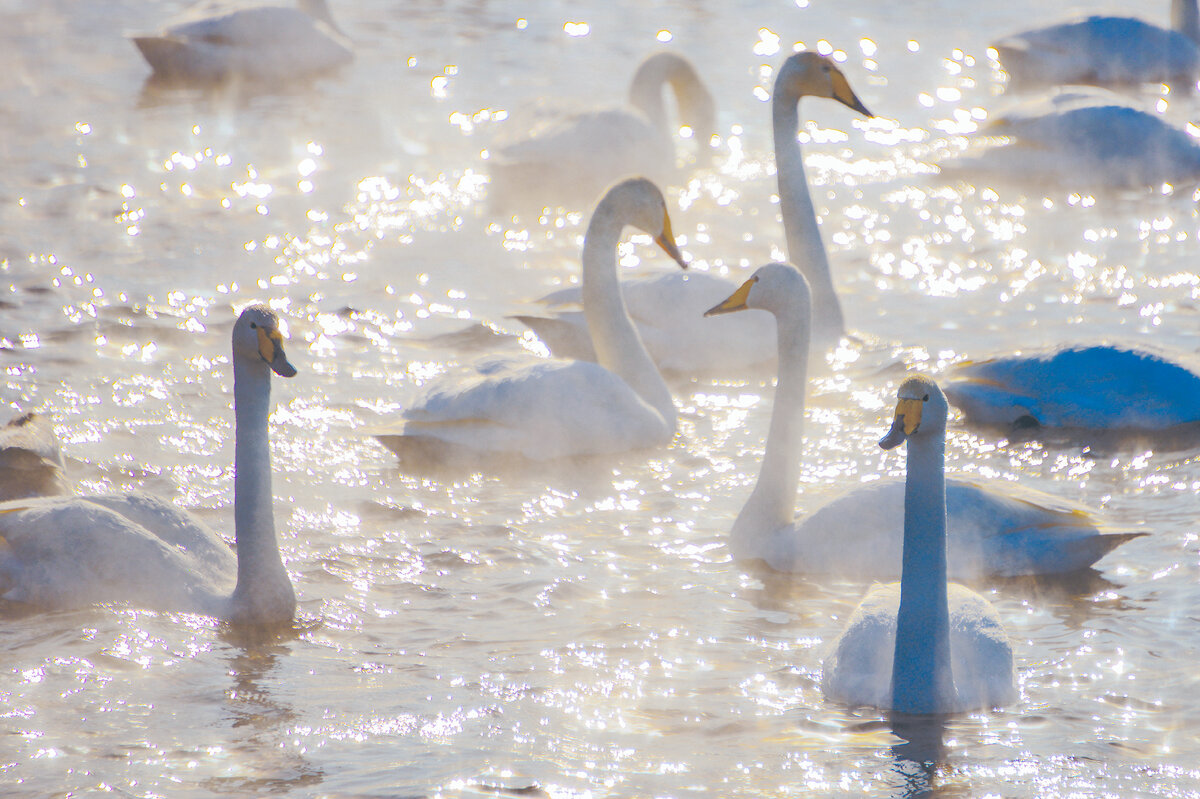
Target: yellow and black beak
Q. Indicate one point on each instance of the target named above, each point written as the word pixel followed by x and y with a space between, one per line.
pixel 906 422
pixel 667 242
pixel 270 348
pixel 845 95
pixel 735 301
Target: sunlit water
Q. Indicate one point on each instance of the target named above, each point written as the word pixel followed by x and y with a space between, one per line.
pixel 562 632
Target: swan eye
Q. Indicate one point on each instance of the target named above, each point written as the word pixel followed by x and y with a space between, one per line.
pixel 925 398
pixel 253 325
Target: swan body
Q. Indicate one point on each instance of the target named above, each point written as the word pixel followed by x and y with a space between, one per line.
pixel 993 530
pixel 572 159
pixel 548 409
pixel 1086 388
pixel 1084 139
pixel 72 551
pixel 922 645
pixel 1105 51
pixel 31 462
pixel 668 310
pixel 268 44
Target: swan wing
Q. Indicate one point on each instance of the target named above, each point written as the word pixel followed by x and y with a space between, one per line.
pixel 540 411
pixel 1097 388
pixel 69 552
pixel 858 668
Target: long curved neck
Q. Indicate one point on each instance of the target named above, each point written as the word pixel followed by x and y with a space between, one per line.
pixel 772 504
pixel 618 346
pixel 264 592
pixel 1185 18
pixel 800 228
pixel 646 91
pixel 922 678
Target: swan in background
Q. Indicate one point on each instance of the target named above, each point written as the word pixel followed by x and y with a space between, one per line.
pixel 922 645
pixel 570 160
pixel 31 462
pixel 993 531
pixel 74 551
pixel 551 408
pixel 1106 51
pixel 267 44
pixel 1084 140
pixel 667 309
pixel 1098 388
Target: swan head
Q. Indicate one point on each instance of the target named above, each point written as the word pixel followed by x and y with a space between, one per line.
pixel 776 287
pixel 638 202
pixel 257 337
pixel 814 75
pixel 921 410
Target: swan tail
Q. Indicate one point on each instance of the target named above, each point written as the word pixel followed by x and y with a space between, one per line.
pixel 1052 549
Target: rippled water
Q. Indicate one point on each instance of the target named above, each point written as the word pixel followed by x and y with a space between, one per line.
pixel 562 632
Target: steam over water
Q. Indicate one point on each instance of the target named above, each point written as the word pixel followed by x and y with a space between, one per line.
pixel 563 631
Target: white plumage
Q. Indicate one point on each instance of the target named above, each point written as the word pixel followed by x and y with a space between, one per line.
pixel 1106 51
pixel 70 551
pixel 267 44
pixel 546 409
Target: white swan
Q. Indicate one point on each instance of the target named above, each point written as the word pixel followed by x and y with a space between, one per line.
pixel 572 159
pixel 546 409
pixel 1106 51
pixel 268 44
pixel 674 332
pixel 31 462
pixel 1084 140
pixel 994 531
pixel 68 552
pixel 922 645
pixel 1097 388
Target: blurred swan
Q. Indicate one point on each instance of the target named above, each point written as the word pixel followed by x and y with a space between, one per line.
pixel 667 309
pixel 31 462
pixel 1097 388
pixel 922 645
pixel 269 44
pixel 571 159
pixel 1106 51
pixel 994 531
pixel 541 409
pixel 73 551
pixel 1081 139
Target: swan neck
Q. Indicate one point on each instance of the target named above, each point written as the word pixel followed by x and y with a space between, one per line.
pixel 1185 18
pixel 264 591
pixel 618 346
pixel 646 92
pixel 771 506
pixel 922 677
pixel 800 227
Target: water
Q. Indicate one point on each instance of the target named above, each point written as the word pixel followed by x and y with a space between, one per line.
pixel 563 632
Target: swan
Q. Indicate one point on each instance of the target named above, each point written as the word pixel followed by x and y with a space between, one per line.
pixel 922 645
pixel 268 44
pixel 1081 139
pixel 1083 388
pixel 674 331
pixel 1106 51
pixel 571 159
pixel 994 531
pixel 74 551
pixel 31 462
pixel 544 409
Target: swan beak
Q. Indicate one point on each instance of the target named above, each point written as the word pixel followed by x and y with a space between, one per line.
pixel 735 301
pixel 846 96
pixel 667 242
pixel 906 422
pixel 270 347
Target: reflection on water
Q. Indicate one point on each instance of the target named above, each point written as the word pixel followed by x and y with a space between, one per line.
pixel 579 631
